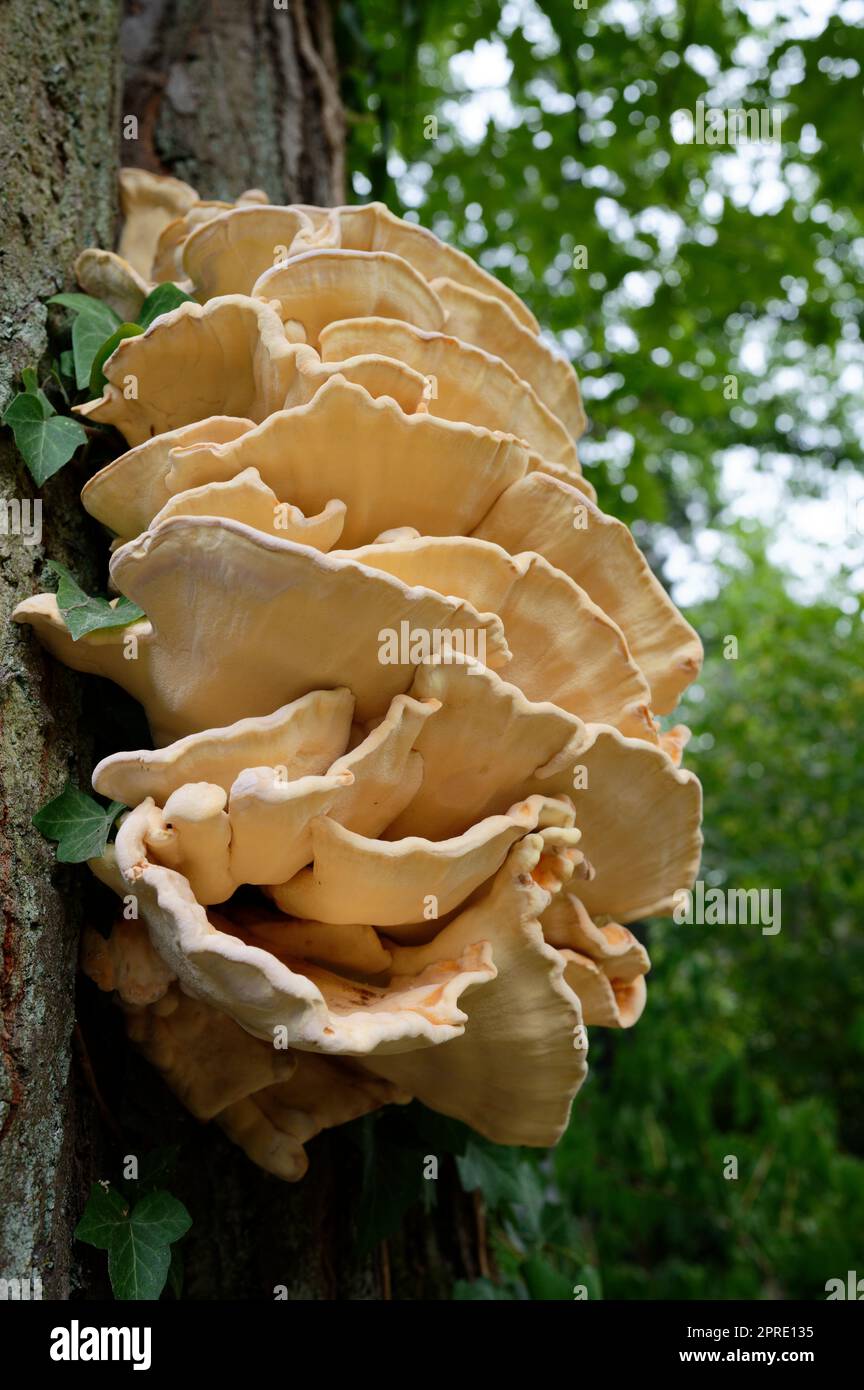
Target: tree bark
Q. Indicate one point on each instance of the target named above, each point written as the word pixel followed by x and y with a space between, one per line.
pixel 59 80
pixel 232 96
pixel 227 97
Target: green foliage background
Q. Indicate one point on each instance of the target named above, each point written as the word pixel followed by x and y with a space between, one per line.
pixel 751 1045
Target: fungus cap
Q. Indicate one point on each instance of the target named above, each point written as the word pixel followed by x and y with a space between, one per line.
pixel 407 794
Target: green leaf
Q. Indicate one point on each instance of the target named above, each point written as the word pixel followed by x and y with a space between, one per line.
pixel 546 1282
pixel 79 824
pixel 20 408
pixel 102 1217
pixel 138 1270
pixel 590 1277
pixel 89 333
pixel 97 376
pixel 138 1240
pixel 94 322
pixel 392 1183
pixel 55 371
pixel 436 1134
pixel 32 388
pixel 139 1257
pixel 67 364
pixel 83 613
pixel 161 301
pixel 44 442
pixel 163 1217
pixel 85 304
pixel 530 1199
pixel 494 1170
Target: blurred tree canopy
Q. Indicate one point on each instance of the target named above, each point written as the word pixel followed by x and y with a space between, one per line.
pixel 554 130
pixel 703 262
pixel 752 1045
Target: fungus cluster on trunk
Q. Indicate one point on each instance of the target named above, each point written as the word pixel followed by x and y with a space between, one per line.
pixel 365 869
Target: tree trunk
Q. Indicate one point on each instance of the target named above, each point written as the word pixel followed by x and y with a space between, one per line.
pixel 227 97
pixel 59 78
pixel 232 96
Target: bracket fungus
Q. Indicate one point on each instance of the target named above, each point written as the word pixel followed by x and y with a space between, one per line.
pixel 408 787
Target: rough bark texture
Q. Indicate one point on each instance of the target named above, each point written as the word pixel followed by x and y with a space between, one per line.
pixel 227 96
pixel 58 77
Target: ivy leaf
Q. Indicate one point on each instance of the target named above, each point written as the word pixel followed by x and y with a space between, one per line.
pixel 434 1133
pixel 494 1170
pixel 94 322
pixel 138 1239
pixel 20 408
pixel 83 613
pixel 104 1213
pixel 388 1192
pixel 97 378
pixel 84 304
pixel 89 332
pixel 138 1270
pixel 139 1258
pixel 79 824
pixel 508 1178
pixel 32 388
pixel 55 371
pixel 531 1198
pixel 161 301
pixel 392 1183
pixel 163 1217
pixel 45 442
